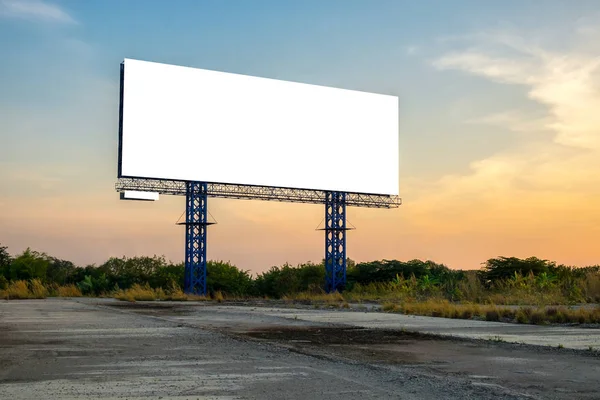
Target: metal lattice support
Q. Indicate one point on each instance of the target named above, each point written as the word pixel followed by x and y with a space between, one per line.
pixel 195 238
pixel 248 192
pixel 335 241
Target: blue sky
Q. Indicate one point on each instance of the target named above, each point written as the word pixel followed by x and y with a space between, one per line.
pixel 472 77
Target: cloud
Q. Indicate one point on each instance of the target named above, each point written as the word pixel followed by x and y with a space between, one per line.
pixel 35 10
pixel 565 82
pixel 549 179
pixel 515 120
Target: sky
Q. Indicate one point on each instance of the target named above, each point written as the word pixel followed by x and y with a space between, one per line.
pixel 499 125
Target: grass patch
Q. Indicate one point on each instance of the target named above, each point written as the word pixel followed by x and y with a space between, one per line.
pixel 68 291
pixel 320 297
pixel 147 293
pixel 33 289
pixel 492 312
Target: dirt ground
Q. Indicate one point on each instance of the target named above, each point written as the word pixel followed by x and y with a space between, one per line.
pixel 91 348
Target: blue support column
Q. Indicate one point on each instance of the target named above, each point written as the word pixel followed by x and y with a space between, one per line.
pixel 195 238
pixel 335 241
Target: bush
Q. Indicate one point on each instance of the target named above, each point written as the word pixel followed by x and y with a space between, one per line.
pixel 37 290
pixel 218 296
pixel 390 307
pixel 225 277
pixel 522 317
pixel 286 280
pixel 138 292
pixel 537 318
pixel 68 291
pixel 492 315
pixel 17 290
pixel 29 265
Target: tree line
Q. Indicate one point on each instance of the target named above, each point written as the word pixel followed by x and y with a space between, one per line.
pixel 423 277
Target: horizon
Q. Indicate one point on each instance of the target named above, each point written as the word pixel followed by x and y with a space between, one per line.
pixel 499 131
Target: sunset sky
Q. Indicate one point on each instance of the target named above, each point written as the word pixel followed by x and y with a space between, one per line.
pixel 499 124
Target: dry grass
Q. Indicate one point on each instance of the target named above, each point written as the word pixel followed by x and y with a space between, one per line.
pixel 68 291
pixel 218 297
pixel 491 312
pixel 330 300
pixel 24 290
pixel 37 289
pixel 315 297
pixel 146 293
pixel 140 293
pixel 16 290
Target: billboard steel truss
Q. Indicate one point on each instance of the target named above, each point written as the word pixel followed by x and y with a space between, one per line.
pixel 247 192
pixel 196 219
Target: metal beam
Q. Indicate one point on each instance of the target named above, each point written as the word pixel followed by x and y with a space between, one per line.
pixel 195 238
pixel 335 241
pixel 248 192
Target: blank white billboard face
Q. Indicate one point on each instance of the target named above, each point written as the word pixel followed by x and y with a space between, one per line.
pixel 189 124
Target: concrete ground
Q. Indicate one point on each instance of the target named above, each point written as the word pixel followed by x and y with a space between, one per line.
pixel 541 335
pixel 106 349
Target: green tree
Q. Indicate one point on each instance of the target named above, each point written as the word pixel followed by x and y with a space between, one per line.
pixel 29 265
pixel 503 268
pixel 126 272
pixel 225 277
pixel 280 281
pixel 388 270
pixel 4 262
pixel 60 272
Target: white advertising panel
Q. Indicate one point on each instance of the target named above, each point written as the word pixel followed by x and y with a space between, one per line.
pixel 139 195
pixel 191 124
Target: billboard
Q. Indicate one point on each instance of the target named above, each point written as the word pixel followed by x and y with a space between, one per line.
pixel 189 124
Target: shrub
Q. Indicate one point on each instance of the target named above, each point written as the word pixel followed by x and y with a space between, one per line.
pixel 507 313
pixel 218 296
pixel 492 315
pixel 68 291
pixel 37 289
pixel 138 293
pixel 175 293
pixel 522 317
pixel 537 318
pixel 17 290
pixel 390 307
